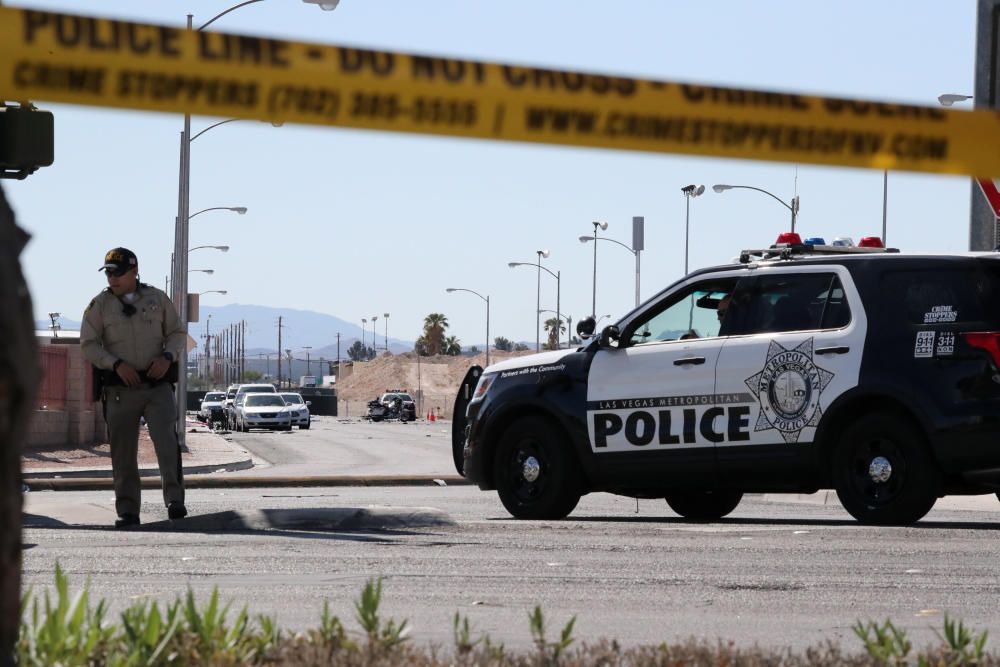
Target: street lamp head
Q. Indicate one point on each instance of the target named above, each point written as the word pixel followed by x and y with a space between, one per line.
pixel 719 187
pixel 602 225
pixel 325 5
pixel 693 190
pixel 223 248
pixel 948 99
pixel 239 209
pixel 385 314
pixel 449 289
pixel 513 264
pixel 543 253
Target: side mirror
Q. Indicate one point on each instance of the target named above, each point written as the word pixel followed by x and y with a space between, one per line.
pixel 608 334
pixel 309 402
pixel 585 327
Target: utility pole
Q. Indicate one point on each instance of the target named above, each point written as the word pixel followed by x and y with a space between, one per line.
pixel 279 351
pixel 243 350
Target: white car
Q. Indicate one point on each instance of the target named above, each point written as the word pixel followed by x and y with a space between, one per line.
pixel 212 399
pixel 262 410
pixel 299 409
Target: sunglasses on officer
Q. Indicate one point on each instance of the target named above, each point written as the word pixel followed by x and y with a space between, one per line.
pixel 118 272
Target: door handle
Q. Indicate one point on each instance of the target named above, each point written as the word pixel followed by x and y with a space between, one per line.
pixel 840 349
pixel 692 361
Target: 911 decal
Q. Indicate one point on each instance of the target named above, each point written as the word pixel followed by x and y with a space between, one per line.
pixel 789 390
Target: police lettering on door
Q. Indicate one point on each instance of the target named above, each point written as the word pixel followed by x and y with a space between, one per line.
pixel 669 421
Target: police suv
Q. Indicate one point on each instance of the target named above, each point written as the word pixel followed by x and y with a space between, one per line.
pixel 801 368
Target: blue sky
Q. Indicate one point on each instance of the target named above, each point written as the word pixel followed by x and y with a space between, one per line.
pixel 357 223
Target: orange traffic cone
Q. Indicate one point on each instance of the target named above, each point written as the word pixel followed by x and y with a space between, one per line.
pixel 432 415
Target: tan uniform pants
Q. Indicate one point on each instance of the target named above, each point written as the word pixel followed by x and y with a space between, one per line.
pixel 124 408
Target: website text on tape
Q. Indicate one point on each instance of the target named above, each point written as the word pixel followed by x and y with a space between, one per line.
pixel 82 60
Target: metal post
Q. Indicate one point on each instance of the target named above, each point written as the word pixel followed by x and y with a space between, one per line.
pixel 687 229
pixel 386 322
pixel 558 319
pixel 986 95
pixel 637 278
pixel 885 202
pixel 487 330
pixel 538 307
pixel 593 304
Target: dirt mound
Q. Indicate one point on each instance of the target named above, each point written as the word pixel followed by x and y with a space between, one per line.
pixel 432 381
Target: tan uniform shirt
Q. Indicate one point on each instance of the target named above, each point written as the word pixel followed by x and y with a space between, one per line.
pixel 107 334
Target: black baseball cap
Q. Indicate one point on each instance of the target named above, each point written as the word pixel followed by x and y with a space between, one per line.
pixel 120 260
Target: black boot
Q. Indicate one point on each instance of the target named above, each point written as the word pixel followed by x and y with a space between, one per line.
pixel 127 521
pixel 176 510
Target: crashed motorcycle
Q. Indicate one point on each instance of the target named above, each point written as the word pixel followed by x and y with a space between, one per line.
pixel 378 411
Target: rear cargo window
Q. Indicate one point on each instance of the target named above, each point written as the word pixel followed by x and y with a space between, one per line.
pixel 943 296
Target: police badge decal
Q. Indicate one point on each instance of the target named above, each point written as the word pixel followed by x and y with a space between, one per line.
pixel 788 389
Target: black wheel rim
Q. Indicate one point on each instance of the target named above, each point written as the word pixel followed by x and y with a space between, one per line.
pixel 873 492
pixel 525 490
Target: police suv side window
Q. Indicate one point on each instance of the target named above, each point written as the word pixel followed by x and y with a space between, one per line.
pixel 789 302
pixel 695 312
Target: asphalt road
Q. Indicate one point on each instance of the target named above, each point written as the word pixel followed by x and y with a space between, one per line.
pixel 341 446
pixel 776 574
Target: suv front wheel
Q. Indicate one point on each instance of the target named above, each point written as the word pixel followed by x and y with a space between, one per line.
pixel 883 472
pixel 536 474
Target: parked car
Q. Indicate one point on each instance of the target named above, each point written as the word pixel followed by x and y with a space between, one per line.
pixel 210 409
pixel 299 409
pixel 262 410
pixel 239 389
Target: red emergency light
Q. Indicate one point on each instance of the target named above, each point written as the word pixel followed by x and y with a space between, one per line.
pixel 870 242
pixel 789 237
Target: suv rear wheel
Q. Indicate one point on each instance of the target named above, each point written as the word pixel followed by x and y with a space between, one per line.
pixel 536 474
pixel 883 472
pixel 704 505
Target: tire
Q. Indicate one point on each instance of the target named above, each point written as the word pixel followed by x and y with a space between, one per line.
pixel 704 505
pixel 551 489
pixel 887 445
pixel 305 426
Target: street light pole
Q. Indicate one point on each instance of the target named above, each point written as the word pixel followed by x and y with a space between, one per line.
pixel 374 353
pixel 487 300
pixel 555 274
pixel 385 320
pixel 593 305
pixel 793 207
pixel 634 251
pixel 689 192
pixel 364 350
pixel 181 222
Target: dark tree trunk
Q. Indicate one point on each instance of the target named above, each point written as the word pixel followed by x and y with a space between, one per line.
pixel 18 382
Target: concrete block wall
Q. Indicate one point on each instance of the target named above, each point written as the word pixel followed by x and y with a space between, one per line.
pixel 80 423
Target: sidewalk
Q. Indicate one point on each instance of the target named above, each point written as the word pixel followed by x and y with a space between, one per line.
pixel 207 452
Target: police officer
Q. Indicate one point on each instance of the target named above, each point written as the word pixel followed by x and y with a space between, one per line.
pixel 132 334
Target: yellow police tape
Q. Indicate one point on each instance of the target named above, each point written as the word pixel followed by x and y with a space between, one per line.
pixel 82 60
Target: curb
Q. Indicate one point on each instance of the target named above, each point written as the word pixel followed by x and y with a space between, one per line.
pixel 230 466
pixel 213 482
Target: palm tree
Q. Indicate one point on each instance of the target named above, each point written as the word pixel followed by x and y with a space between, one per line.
pixel 434 326
pixel 452 346
pixel 556 327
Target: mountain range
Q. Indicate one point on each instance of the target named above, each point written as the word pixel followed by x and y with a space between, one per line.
pixel 301 329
